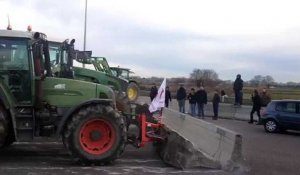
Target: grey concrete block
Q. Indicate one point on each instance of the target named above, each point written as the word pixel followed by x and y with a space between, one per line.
pixel 197 143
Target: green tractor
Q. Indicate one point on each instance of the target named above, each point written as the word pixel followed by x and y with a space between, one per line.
pixel 100 72
pixel 35 102
pixel 62 55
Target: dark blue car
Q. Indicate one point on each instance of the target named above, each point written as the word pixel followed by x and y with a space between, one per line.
pixel 281 115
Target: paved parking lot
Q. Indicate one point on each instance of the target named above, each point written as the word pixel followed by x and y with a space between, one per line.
pixel 265 153
pixel 51 159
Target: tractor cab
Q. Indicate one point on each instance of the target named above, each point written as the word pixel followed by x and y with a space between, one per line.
pixel 121 72
pixel 61 58
pixel 15 67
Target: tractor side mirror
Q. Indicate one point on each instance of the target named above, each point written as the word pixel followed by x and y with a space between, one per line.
pixel 83 56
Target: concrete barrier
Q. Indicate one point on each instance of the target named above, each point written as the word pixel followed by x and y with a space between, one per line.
pixel 226 110
pixel 200 144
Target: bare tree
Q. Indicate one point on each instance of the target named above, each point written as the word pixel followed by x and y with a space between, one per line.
pixel 269 80
pixel 262 80
pixel 203 75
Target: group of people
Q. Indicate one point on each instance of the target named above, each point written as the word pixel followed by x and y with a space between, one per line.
pixel 259 100
pixel 198 99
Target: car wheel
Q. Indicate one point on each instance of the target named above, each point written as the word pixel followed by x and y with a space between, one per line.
pixel 271 126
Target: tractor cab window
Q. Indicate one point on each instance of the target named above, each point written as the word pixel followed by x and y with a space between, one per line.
pixel 54 54
pixel 114 72
pixel 124 74
pixel 14 67
pixel 58 57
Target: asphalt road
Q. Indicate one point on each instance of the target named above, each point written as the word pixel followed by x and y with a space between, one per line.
pixel 51 159
pixel 265 153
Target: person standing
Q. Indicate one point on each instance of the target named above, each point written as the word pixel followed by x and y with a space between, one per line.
pixel 201 99
pixel 181 96
pixel 215 101
pixel 256 106
pixel 237 88
pixel 153 92
pixel 168 97
pixel 192 101
pixel 224 96
pixel 265 98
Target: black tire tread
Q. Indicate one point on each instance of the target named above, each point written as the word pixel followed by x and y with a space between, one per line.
pixel 74 122
pixel 8 135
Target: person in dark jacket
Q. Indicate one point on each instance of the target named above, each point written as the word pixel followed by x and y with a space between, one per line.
pixel 215 101
pixel 265 98
pixel 192 101
pixel 181 96
pixel 237 88
pixel 168 97
pixel 201 99
pixel 256 106
pixel 153 92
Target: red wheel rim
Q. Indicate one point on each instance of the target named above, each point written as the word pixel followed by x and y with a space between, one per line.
pixel 97 136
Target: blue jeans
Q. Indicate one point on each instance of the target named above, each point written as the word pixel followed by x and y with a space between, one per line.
pixel 181 105
pixel 193 108
pixel 201 110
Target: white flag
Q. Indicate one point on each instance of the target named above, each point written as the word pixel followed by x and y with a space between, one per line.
pixel 159 100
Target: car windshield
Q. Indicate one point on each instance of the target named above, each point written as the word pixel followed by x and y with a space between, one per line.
pixel 13 54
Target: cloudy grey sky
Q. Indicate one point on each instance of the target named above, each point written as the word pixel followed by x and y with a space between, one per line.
pixel 169 38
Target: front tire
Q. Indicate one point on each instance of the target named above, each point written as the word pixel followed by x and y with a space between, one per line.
pixel 7 136
pixel 3 126
pixel 271 126
pixel 95 135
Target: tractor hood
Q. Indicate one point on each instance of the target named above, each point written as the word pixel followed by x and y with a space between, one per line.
pixel 63 92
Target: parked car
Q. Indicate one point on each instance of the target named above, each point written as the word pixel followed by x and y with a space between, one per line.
pixel 281 115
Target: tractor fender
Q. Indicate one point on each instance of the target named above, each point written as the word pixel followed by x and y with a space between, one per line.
pixel 133 81
pixel 74 109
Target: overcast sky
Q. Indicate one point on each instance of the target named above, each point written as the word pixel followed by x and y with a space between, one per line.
pixel 169 38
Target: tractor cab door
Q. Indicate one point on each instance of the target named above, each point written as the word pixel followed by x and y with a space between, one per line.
pixel 15 68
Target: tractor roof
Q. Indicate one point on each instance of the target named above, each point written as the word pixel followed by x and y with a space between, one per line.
pixel 121 68
pixel 15 33
pixel 18 34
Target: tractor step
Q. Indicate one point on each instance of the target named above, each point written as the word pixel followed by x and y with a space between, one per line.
pixel 24 123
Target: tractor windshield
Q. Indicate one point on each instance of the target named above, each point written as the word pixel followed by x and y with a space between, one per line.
pixel 54 49
pixel 14 67
pixel 13 54
pixel 121 72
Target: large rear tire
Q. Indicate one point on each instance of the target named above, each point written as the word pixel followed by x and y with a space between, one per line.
pixel 3 126
pixel 95 135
